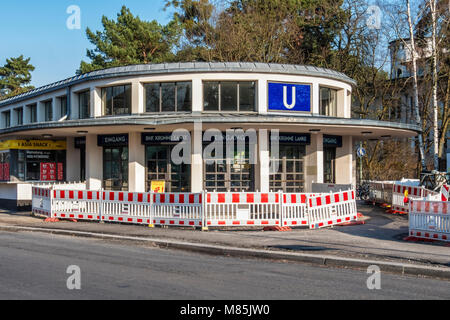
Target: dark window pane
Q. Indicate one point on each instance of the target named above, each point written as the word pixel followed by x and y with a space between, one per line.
pixel 84 108
pixel 152 97
pixel 119 100
pixel 63 110
pixel 168 97
pixel 247 96
pixel 184 96
pixel 127 99
pixel 48 111
pixel 228 96
pixel 328 102
pixel 211 96
pixel 33 113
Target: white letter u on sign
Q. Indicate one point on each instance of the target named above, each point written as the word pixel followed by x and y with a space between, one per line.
pixel 294 101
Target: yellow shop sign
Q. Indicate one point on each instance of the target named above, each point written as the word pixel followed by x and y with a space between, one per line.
pixel 33 145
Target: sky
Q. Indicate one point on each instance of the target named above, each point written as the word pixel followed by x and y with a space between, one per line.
pixel 38 30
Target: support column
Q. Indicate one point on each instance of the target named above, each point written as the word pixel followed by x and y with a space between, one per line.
pixel 96 102
pixel 197 158
pixel 136 163
pixel 344 161
pixel 94 163
pixel 314 161
pixel 72 161
pixel 197 96
pixel 137 98
pixel 263 167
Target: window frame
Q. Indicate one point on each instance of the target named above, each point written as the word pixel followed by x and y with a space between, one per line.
pixel 79 94
pixel 160 84
pixel 238 97
pixel 61 99
pixel 48 111
pixel 19 116
pixel 32 112
pixel 127 104
pixel 335 115
pixel 6 115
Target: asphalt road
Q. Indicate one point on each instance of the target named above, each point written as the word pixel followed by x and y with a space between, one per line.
pixel 34 266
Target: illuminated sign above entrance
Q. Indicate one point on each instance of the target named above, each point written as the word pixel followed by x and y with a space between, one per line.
pixel 289 97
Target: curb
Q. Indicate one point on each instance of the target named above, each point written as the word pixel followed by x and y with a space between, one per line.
pixel 320 260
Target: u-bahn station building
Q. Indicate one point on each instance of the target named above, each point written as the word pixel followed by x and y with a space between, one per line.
pixel 113 129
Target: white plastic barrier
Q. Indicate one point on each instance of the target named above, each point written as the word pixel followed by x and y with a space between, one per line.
pixel 41 204
pixel 430 220
pixel 381 192
pixel 126 207
pixel 77 204
pixel 180 209
pixel 402 195
pixel 295 208
pixel 332 209
pixel 62 185
pixel 243 209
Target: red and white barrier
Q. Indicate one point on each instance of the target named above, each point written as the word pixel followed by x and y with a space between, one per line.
pixel 332 209
pixel 402 195
pixel 178 209
pixel 41 204
pixel 243 209
pixel 430 220
pixel 76 204
pixel 295 208
pixel 445 193
pixel 213 209
pixel 380 192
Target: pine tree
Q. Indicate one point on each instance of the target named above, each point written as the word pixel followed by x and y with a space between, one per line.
pixel 130 40
pixel 15 76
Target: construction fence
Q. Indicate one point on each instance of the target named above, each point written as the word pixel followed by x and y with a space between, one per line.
pixel 428 211
pixel 205 209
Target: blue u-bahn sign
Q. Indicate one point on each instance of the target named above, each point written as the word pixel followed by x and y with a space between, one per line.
pixel 289 97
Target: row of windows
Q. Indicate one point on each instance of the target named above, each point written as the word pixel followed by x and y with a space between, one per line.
pixel 18 113
pixel 226 96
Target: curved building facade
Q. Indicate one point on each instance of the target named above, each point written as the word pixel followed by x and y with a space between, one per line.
pixel 115 129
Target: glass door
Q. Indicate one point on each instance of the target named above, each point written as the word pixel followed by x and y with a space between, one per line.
pixel 115 168
pixel 290 176
pixel 329 166
pixel 160 167
pixel 237 176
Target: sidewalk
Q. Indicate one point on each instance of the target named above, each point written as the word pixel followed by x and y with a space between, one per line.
pixel 380 239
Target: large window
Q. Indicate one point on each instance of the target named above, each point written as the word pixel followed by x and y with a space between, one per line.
pixel 33 113
pixel 328 102
pixel 229 96
pixel 116 100
pixel 6 119
pixel 63 106
pixel 168 97
pixel 19 116
pixel 48 110
pixel 84 108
